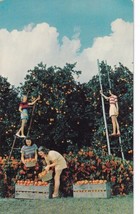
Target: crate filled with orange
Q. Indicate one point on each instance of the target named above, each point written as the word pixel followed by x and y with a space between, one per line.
pixel 28 189
pixel 92 189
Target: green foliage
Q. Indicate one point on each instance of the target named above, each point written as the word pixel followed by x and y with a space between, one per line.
pixel 68 118
pixel 83 164
pixel 122 86
pixel 8 114
pixel 87 165
pixel 69 114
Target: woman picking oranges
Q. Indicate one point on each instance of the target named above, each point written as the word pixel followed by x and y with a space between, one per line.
pixel 113 112
pixel 23 108
pixel 56 160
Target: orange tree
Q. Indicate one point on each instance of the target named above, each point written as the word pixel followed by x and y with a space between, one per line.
pixel 68 117
pixel 62 115
pixel 69 114
pixel 122 85
pixel 8 114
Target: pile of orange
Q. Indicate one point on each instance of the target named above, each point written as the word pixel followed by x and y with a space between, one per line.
pixel 32 183
pixel 91 182
pixel 42 174
pixel 30 160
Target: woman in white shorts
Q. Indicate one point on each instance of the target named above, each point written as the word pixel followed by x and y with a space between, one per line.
pixel 56 160
pixel 113 112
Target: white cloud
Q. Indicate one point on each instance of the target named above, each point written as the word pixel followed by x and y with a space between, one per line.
pixel 22 50
pixel 115 48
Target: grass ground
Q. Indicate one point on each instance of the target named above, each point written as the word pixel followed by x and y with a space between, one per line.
pixel 114 205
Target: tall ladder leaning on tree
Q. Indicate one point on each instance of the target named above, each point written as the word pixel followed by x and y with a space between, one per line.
pixel 28 132
pixel 104 113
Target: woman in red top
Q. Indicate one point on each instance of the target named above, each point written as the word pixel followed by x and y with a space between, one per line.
pixel 23 108
pixel 113 112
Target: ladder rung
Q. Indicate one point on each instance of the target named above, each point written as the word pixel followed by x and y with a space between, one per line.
pixel 116 148
pixel 16 148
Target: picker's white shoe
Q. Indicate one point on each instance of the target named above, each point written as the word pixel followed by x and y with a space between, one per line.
pixel 55 196
pixel 17 135
pixel 22 136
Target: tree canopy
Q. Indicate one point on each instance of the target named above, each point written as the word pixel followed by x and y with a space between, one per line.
pixel 69 114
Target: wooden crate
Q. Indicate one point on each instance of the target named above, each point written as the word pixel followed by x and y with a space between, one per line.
pixel 32 192
pixel 92 190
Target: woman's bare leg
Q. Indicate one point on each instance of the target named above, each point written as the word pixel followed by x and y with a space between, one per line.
pixel 57 182
pixel 23 122
pixel 113 118
pixel 22 126
pixel 117 126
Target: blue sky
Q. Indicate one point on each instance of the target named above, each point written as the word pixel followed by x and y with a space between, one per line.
pixel 57 32
pixel 91 18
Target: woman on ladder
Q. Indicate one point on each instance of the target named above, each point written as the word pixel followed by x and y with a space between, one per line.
pixel 113 112
pixel 23 108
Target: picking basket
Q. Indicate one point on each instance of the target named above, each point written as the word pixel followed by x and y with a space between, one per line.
pixel 45 176
pixel 30 163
